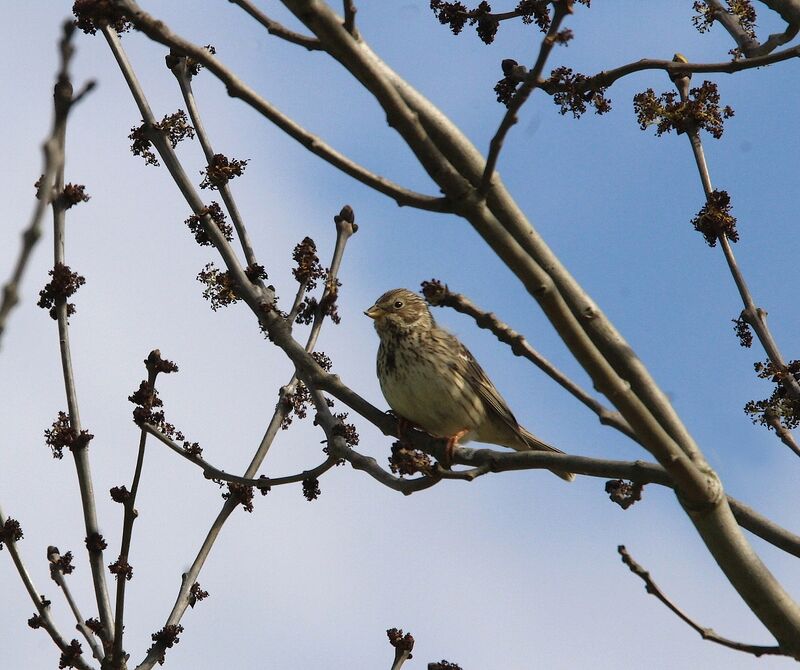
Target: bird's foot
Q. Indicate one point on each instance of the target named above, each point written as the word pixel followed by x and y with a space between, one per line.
pixel 449 448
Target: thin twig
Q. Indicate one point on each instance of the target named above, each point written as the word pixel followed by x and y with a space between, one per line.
pixel 521 95
pixel 94 541
pixel 212 472
pixel 705 633
pixel 755 316
pixel 130 515
pixel 675 69
pixel 784 434
pixel 439 294
pixel 350 17
pixel 53 158
pixel 277 29
pixel 159 32
pixel 53 555
pixel 255 296
pixel 43 619
pixel 185 83
pixel 747 44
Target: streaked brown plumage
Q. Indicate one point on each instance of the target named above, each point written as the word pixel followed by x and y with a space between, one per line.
pixel 432 380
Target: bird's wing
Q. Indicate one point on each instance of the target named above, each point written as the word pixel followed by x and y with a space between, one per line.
pixel 483 386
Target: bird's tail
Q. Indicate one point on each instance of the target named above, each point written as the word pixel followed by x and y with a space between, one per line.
pixel 533 442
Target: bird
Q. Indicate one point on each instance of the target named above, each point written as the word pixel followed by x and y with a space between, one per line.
pixel 431 380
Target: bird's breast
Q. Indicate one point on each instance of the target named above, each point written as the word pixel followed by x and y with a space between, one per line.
pixel 421 384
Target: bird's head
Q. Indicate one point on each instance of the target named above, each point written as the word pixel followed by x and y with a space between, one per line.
pixel 400 309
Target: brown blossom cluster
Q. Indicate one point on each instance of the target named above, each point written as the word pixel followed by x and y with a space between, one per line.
pixel 221 170
pixel 400 641
pixel 120 494
pixel 701 111
pixel 444 665
pixel 307 269
pixel 311 490
pixel 165 639
pixel 70 657
pixel 74 194
pixel 297 402
pixel 217 216
pixel 62 435
pixel 220 288
pixel 121 569
pixel 743 332
pixel 193 67
pixel 624 493
pixel 63 285
pixel 96 542
pixel 148 411
pixel 90 15
pixel 196 594
pixel 407 461
pixel 456 15
pixel 715 219
pixel 241 494
pixel 10 531
pixel 743 10
pixel 573 91
pixel 175 128
pixel 60 563
pixel 780 405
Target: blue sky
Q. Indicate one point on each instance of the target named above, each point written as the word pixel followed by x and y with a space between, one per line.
pixel 512 571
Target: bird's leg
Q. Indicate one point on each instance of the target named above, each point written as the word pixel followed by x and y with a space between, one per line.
pixel 452 443
pixel 403 426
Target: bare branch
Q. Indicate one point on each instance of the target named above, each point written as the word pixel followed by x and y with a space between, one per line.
pixel 158 31
pixel 42 619
pixel 675 69
pixel 178 68
pixel 705 633
pixel 57 573
pixel 212 472
pixel 53 161
pixel 561 9
pixel 752 314
pixel 350 17
pixel 277 29
pixel 94 541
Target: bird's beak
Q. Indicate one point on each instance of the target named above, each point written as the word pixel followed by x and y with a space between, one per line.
pixel 374 312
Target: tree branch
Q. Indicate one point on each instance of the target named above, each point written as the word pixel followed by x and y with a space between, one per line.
pixel 94 541
pixel 561 9
pixel 42 605
pixel 53 162
pixel 705 633
pixel 158 31
pixel 178 69
pixel 752 314
pixel 53 555
pixel 277 29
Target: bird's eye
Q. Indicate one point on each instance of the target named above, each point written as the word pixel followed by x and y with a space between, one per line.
pixel 398 304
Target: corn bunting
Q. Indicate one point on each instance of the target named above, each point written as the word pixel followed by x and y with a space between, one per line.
pixel 431 380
